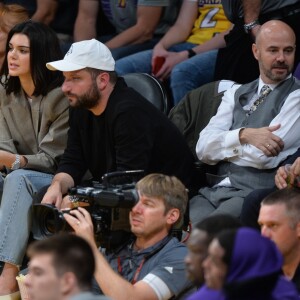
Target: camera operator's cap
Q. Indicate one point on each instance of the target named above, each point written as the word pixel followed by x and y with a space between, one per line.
pixel 83 54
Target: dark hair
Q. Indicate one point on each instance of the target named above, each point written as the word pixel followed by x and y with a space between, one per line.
pixel 226 240
pixel 70 253
pixel 44 47
pixel 213 225
pixel 95 72
pixel 290 197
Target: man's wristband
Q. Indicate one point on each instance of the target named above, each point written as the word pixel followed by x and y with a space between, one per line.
pixel 191 53
pixel 249 26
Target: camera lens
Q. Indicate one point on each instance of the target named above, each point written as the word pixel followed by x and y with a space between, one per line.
pixel 47 221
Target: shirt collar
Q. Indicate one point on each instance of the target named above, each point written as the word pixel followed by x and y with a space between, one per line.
pixel 272 86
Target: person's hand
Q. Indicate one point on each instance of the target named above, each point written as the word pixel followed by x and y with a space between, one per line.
pixel 158 51
pixel 171 59
pixel 81 222
pixel 263 139
pixel 53 196
pixel 286 175
pixel 281 178
pixel 66 203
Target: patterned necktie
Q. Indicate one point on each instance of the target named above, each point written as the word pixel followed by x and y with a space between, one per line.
pixel 264 92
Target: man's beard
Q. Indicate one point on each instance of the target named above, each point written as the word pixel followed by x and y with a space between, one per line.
pixel 88 100
pixel 278 77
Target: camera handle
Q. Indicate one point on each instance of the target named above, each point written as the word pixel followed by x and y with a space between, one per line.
pixel 107 177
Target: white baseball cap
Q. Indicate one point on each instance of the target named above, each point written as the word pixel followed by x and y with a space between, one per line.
pixel 83 54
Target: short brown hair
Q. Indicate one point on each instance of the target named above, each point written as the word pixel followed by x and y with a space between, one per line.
pixel 290 198
pixel 70 253
pixel 168 188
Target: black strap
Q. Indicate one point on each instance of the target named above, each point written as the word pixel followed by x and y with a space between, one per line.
pixel 1 266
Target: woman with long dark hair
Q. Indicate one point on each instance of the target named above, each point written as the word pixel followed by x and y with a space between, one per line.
pixel 33 129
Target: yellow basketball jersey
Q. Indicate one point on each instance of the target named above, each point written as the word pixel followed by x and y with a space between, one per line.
pixel 211 21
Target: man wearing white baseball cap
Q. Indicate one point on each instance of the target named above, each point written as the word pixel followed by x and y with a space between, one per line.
pixel 114 128
pixel 85 54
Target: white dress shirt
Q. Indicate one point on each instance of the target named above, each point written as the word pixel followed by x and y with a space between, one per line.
pixel 217 142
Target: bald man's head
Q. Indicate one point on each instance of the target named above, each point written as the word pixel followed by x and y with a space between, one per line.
pixel 274 27
pixel 274 50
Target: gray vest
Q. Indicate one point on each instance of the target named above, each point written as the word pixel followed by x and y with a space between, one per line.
pixel 249 178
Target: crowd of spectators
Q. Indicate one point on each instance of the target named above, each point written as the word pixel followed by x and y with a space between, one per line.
pixel 68 118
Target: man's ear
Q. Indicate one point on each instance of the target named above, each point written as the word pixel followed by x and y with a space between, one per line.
pixel 173 216
pixel 68 283
pixel 102 80
pixel 255 51
pixel 298 229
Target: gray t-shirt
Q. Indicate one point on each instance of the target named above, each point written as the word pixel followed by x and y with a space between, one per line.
pixel 164 260
pixel 123 14
pixel 233 8
pixel 89 296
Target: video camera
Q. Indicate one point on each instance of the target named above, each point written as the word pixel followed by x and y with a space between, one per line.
pixel 108 203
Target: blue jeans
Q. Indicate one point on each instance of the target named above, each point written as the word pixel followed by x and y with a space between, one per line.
pixel 184 77
pixel 126 50
pixel 18 191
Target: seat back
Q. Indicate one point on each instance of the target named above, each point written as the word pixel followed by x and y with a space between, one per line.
pixel 149 87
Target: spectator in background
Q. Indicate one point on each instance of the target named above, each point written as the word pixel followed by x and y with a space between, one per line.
pixel 112 127
pixel 286 175
pixel 61 268
pixel 60 15
pixel 33 127
pixel 139 24
pixel 235 61
pixel 30 5
pixel 279 220
pixel 187 52
pixel 10 15
pixel 251 134
pixel 242 264
pixel 198 243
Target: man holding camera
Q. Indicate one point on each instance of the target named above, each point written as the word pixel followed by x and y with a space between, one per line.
pixel 151 265
pixel 112 127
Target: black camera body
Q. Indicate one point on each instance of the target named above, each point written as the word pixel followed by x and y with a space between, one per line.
pixel 108 204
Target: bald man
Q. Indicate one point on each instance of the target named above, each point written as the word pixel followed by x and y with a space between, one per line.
pixel 255 129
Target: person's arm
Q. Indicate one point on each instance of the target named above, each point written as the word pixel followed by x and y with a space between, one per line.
pixel 147 20
pixel 7 159
pixel 174 58
pixel 86 20
pixel 60 185
pixel 40 146
pixel 105 276
pixel 213 144
pixel 181 30
pixel 45 12
pixel 251 10
pixel 217 142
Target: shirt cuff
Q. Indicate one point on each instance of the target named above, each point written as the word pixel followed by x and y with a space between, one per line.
pixel 232 143
pixel 160 288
